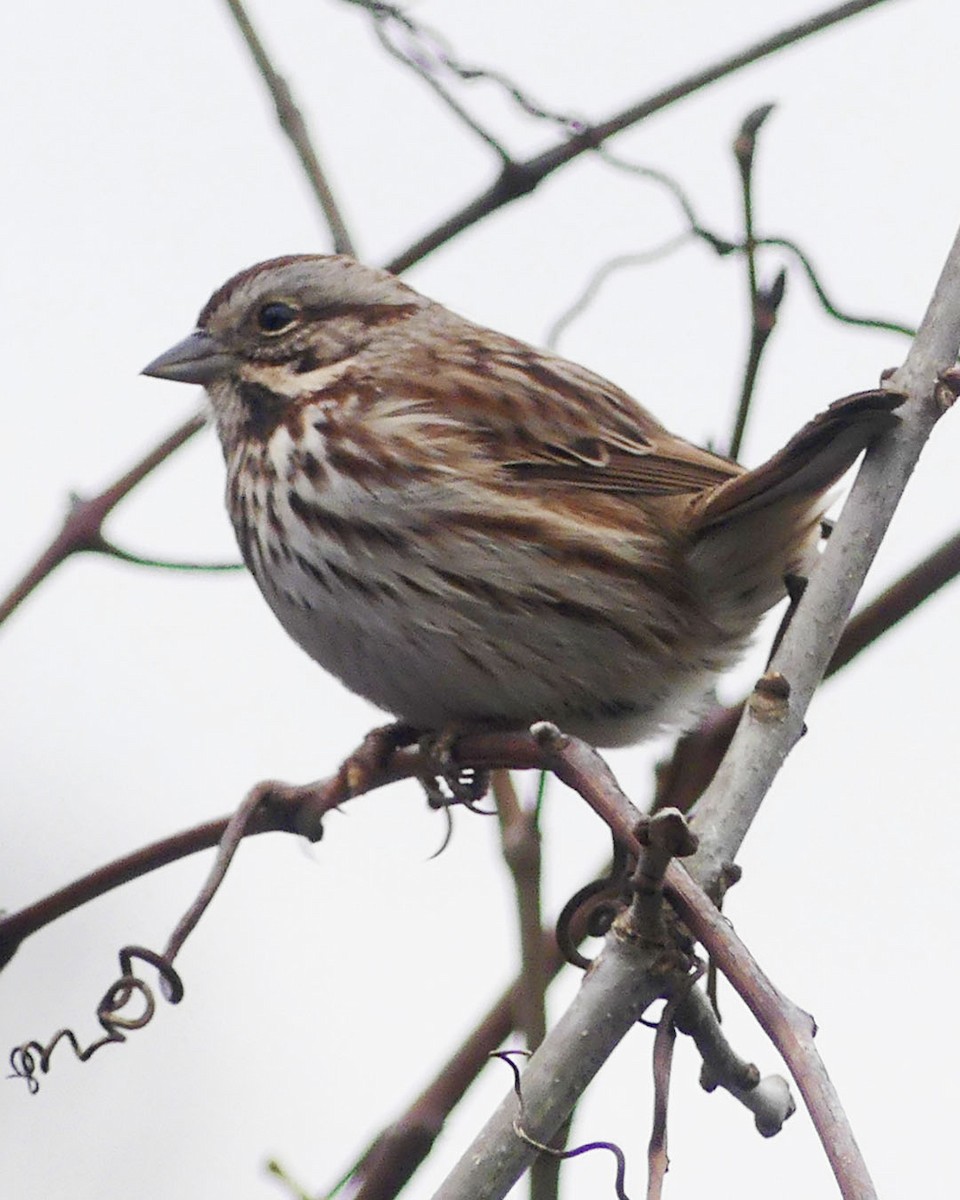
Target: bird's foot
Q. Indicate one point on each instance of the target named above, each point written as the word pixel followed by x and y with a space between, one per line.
pixel 446 781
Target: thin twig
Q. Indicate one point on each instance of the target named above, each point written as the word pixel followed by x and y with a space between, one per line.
pixel 828 305
pixel 552 1150
pixel 227 847
pixel 763 302
pixel 658 1161
pixel 791 1030
pixel 111 550
pixel 424 61
pixel 520 841
pixel 295 127
pixel 520 178
pixel 765 736
pixel 600 276
pixel 83 524
pixel 623 980
pixel 698 754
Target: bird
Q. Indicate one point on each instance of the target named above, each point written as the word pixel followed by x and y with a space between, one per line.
pixel 471 532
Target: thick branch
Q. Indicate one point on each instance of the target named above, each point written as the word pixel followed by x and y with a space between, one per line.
pixel 615 992
pixel 767 732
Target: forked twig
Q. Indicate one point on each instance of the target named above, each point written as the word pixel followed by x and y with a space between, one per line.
pixel 518 179
pixel 623 980
pixel 83 525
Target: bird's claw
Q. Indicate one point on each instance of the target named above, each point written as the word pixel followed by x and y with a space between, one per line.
pixel 446 781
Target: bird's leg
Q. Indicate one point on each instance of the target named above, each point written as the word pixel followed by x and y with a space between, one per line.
pixel 796 585
pixel 466 785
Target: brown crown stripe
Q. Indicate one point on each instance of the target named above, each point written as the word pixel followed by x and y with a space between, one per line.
pixel 238 281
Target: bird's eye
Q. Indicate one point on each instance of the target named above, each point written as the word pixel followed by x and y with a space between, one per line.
pixel 276 316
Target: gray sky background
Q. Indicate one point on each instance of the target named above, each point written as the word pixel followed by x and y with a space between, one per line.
pixel 141 166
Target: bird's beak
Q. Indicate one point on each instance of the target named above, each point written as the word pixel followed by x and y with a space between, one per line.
pixel 199 358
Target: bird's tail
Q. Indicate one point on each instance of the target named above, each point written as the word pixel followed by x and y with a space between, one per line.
pixel 752 531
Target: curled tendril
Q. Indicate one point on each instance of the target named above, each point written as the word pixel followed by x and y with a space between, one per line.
pixel 32 1056
pixel 428 53
pixel 507 1056
pixel 597 903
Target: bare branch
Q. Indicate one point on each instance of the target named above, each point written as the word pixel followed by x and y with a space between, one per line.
pixel 768 1099
pixel 295 127
pixel 520 178
pixel 520 841
pixel 765 735
pixel 83 524
pixel 625 978
pixel 790 1029
pixel 763 302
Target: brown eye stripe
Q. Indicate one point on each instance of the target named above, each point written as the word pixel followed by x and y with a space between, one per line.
pixel 369 315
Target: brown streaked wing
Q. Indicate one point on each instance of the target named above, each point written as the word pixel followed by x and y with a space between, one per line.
pixel 655 475
pixel 590 434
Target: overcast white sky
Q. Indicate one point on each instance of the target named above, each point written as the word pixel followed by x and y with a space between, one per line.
pixel 141 166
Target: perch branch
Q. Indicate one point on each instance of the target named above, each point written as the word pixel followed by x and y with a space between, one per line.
pixel 767 732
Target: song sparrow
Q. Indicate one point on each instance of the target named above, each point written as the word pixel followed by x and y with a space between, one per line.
pixel 467 530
